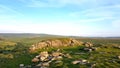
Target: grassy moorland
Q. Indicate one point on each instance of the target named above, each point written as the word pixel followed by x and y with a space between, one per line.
pixel 14 51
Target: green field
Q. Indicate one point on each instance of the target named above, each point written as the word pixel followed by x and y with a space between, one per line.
pixel 14 51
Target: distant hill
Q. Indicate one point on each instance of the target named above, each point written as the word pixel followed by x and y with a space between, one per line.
pixel 33 35
pixel 25 35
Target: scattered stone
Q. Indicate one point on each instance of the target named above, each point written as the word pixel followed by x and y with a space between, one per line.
pixel 87 49
pixel 44 55
pixel 88 44
pixel 94 48
pixel 35 60
pixel 38 65
pixel 55 54
pixel 37 56
pixel 21 65
pixel 58 50
pixel 82 61
pixel 68 55
pixel 76 62
pixel 45 64
pixel 118 57
pixel 42 58
pixel 58 58
pixel 58 63
pixel 93 66
pixel 117 46
pixel 45 59
pixel 28 66
pixel 90 50
pixel 43 67
pixel 49 58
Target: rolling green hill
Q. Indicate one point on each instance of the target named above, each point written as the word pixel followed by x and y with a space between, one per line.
pixel 14 50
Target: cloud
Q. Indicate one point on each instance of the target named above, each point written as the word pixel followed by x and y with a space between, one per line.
pixel 64 28
pixel 102 10
pixel 116 23
pixel 85 28
pixel 41 28
pixel 97 14
pixel 91 20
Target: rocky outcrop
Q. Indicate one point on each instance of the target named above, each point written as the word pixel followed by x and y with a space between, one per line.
pixel 55 43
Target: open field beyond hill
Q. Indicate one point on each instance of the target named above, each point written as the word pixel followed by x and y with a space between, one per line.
pixel 14 50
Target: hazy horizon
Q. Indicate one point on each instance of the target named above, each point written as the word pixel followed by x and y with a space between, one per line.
pixel 93 18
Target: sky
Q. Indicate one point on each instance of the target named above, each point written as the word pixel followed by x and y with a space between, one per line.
pixel 61 17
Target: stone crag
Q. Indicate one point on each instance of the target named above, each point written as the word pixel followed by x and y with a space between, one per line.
pixel 59 42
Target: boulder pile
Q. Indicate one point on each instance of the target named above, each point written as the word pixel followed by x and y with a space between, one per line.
pixel 44 58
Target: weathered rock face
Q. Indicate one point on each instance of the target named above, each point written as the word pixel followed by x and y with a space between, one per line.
pixel 55 43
